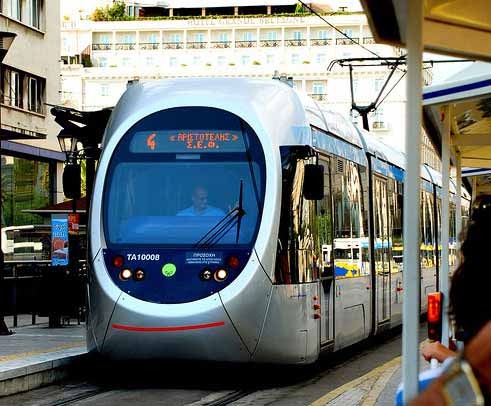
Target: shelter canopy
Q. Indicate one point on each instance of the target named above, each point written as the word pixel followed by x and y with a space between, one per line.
pixel 453 27
pixel 468 96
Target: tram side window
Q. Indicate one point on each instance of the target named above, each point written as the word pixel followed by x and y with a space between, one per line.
pixel 296 260
pixel 349 217
pixel 324 225
pixel 396 223
pixel 427 231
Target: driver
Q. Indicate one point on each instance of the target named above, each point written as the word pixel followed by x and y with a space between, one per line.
pixel 200 205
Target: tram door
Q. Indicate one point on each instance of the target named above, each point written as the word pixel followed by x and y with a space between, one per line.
pixel 382 249
pixel 325 229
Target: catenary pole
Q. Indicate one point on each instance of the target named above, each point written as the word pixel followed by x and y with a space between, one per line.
pixel 410 339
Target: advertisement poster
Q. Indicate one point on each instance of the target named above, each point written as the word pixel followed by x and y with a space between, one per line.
pixel 59 239
pixel 73 223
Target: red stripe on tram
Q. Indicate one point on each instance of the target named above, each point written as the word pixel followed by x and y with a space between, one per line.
pixel 176 328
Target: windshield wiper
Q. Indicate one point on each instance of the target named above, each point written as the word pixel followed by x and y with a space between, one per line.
pixel 219 230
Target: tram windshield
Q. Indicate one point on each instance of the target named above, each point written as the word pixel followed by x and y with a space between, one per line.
pixel 185 177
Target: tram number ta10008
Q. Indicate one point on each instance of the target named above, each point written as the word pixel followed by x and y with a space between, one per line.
pixel 143 257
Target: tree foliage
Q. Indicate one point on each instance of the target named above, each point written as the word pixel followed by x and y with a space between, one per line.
pixel 114 13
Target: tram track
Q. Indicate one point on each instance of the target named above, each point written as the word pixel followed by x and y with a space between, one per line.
pixel 226 399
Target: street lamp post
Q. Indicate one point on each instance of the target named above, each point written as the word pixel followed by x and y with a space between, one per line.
pixel 6 39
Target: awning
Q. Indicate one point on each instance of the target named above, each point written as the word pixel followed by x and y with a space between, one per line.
pixel 61 208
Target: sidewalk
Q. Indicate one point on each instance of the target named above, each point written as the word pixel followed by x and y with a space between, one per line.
pixel 378 387
pixel 36 355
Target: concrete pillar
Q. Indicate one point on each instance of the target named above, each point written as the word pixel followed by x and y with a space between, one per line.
pixel 203 11
pixel 171 12
pixel 268 10
pixel 236 10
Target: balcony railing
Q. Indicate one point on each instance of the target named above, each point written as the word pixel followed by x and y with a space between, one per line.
pixel 221 44
pixel 101 47
pixel 125 46
pixel 319 96
pixel 245 44
pixel 149 45
pixel 296 42
pixel 172 45
pixel 196 45
pixel 320 41
pixel 271 43
pixel 368 40
pixel 347 41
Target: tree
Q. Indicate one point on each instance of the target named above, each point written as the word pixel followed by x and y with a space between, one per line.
pixel 114 13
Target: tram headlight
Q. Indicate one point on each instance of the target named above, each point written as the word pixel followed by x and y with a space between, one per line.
pixel 125 274
pixel 205 275
pixel 139 274
pixel 118 261
pixel 220 275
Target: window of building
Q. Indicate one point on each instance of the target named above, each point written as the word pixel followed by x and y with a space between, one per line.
pixel 175 38
pixel 149 61
pixel 103 62
pixel 272 35
pixel 269 59
pixel 105 90
pixel 104 39
pixel 126 61
pixel 153 38
pixel 245 60
pixel 223 37
pixel 248 36
pixel 199 37
pixel 318 88
pixel 26 184
pixel 320 58
pixel 348 32
pixel 35 89
pixel 128 39
pixel 172 61
pixel 196 60
pixel 35 13
pixel 22 90
pixel 13 9
pixel 378 84
pixel 295 58
pixel 221 60
pixel 324 34
pixel 297 35
pixel 15 89
pixel 355 86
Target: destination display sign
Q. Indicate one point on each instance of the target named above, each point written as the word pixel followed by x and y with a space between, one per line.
pixel 202 141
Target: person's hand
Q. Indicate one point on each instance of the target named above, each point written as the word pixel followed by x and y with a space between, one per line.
pixel 434 349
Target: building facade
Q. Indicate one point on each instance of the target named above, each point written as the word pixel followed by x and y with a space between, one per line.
pixel 30 155
pixel 101 56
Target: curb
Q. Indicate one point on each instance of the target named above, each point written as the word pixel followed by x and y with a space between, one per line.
pixel 21 375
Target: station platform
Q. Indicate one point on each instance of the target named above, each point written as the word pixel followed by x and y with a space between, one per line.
pixel 37 355
pixel 377 387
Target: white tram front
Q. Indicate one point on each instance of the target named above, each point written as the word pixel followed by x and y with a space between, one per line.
pixel 219 208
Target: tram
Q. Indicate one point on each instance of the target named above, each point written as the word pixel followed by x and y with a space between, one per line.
pixel 237 220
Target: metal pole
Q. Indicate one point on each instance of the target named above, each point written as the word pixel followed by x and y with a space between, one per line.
pixel 412 185
pixel 458 205
pixel 444 288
